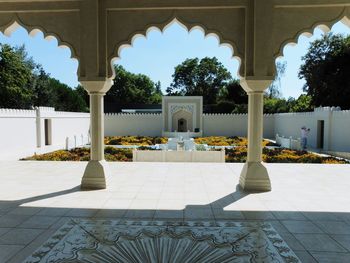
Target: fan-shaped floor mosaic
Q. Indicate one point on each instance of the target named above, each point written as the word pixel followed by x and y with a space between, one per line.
pixel 159 241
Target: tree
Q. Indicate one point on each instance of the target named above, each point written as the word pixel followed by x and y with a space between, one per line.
pixel 326 71
pixel 302 104
pixel 65 98
pixel 205 77
pixel 15 76
pixel 83 94
pixel 233 92
pixel 130 88
pixel 42 91
pixel 275 105
pixel 274 91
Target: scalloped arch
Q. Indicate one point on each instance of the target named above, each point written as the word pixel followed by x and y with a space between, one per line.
pixel 325 26
pixel 189 28
pixel 16 23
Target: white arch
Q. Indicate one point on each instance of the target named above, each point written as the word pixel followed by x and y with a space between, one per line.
pixel 326 27
pixel 189 29
pixel 33 31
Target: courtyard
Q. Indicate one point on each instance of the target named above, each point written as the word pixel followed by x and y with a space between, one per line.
pixel 308 204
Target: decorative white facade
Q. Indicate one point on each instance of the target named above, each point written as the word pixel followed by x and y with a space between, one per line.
pixel 182 115
pixel 26 132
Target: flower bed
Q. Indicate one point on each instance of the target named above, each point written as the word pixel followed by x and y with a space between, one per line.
pixel 226 141
pixel 236 155
pixel 135 140
pixel 83 154
pixel 280 155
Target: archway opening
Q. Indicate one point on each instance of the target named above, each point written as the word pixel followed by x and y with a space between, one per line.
pixel 175 61
pixel 312 87
pixel 42 108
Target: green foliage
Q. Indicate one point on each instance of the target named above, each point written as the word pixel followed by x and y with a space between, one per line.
pixel 233 92
pixel 326 71
pixel 205 77
pixel 65 98
pixel 274 90
pixel 275 105
pixel 302 104
pixel 131 88
pixel 15 79
pixel 25 84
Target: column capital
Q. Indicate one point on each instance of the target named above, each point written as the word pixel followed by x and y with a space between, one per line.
pixel 256 84
pixel 97 86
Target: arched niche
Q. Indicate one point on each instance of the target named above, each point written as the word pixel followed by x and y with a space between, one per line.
pixel 227 25
pixel 182 121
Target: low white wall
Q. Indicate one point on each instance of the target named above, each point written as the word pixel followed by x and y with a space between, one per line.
pixel 125 124
pixel 179 156
pixel 336 127
pixel 225 124
pixel 23 131
pixel 289 125
pixel 340 131
pixel 17 133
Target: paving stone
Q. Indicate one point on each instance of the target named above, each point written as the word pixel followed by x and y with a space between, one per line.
pixel 8 251
pixel 292 242
pixel 297 226
pixel 39 222
pixel 19 236
pixel 319 242
pixel 322 257
pixel 305 257
pixel 12 220
pixel 344 240
pixel 334 227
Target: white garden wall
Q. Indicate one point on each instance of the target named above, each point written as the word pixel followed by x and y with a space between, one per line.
pixel 22 134
pixel 125 124
pixel 23 131
pixel 289 125
pixel 340 131
pixel 336 126
pixel 233 125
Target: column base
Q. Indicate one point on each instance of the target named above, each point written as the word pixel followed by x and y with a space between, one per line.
pixel 254 177
pixel 95 176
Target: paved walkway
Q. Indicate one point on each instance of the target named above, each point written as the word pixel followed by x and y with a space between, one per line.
pixel 309 205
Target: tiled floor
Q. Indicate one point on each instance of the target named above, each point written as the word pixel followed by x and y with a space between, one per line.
pixel 309 205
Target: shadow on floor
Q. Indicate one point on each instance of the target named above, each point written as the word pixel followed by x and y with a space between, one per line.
pixel 313 236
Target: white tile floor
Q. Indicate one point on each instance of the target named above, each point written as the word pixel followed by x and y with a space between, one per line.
pixel 308 206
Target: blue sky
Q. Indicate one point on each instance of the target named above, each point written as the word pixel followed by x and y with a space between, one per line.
pixel 158 54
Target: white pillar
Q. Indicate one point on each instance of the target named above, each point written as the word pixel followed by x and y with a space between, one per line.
pixel 254 176
pixel 96 172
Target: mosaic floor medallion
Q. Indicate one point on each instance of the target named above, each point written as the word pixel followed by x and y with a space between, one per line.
pixel 109 241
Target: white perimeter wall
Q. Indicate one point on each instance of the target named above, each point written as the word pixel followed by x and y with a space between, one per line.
pixel 336 130
pixel 289 125
pixel 19 129
pixel 233 125
pixel 151 125
pixel 340 131
pixel 125 124
pixel 20 132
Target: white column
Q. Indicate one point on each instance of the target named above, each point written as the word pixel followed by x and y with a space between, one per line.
pixel 97 126
pixel 254 176
pixel 96 172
